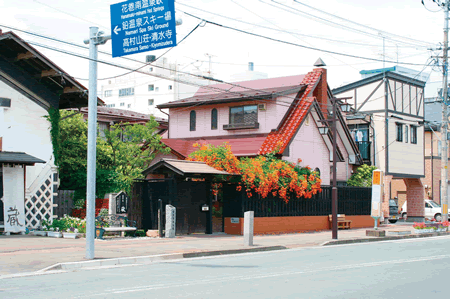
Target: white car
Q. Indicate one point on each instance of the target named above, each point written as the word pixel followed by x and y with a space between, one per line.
pixel 432 210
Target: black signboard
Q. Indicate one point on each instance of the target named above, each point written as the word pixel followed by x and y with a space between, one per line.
pixel 122 203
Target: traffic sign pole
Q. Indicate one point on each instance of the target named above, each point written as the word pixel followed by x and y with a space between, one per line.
pixel 95 39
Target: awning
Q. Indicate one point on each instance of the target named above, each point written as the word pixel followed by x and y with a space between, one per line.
pixel 184 168
pixel 18 158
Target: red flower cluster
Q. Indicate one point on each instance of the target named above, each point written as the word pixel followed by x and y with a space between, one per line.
pixel 100 203
pixel 263 174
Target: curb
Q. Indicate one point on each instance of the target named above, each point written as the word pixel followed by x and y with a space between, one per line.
pixel 140 260
pixel 388 238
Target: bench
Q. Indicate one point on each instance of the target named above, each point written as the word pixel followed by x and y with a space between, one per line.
pixel 342 223
pixel 113 223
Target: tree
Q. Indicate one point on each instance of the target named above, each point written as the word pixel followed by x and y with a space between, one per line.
pixel 121 156
pixel 362 177
pixel 132 147
pixel 262 175
pixel 71 145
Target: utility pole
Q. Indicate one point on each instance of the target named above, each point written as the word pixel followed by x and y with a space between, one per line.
pixel 444 147
pixel 95 39
pixel 334 194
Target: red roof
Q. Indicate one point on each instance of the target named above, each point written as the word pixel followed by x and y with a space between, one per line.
pixel 252 146
pixel 253 84
pixel 247 146
pixel 291 123
pixel 262 88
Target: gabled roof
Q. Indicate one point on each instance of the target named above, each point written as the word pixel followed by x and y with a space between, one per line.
pixel 294 117
pixel 312 92
pixel 240 91
pixel 184 168
pixel 31 73
pixel 18 158
pixel 123 115
pixel 377 77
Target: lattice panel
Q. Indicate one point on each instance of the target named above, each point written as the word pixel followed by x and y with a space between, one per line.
pixel 40 205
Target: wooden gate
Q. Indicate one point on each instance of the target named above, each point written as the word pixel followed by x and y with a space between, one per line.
pixel 187 197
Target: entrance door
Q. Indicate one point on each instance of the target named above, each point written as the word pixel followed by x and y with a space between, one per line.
pixel 190 218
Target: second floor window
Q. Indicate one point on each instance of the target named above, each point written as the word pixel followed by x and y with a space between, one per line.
pixel 150 102
pixel 406 133
pixel 151 87
pixel 124 92
pixel 108 93
pixel 414 134
pixel 170 87
pixel 214 119
pixel 244 114
pixel 122 104
pixel 399 128
pixel 192 120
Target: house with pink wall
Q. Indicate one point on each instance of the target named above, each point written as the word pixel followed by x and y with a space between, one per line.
pixel 280 115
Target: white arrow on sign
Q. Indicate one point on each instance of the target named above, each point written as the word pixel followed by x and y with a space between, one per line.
pixel 116 30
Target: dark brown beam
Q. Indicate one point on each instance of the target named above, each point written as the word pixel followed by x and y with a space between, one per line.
pixel 27 55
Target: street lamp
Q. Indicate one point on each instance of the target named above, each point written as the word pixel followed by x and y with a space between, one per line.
pixel 324 131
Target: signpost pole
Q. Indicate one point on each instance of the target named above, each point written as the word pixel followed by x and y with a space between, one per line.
pixel 95 39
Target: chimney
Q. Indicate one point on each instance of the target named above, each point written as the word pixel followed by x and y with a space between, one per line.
pixel 321 91
pixel 250 66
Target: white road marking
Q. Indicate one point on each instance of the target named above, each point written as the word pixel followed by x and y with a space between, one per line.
pixel 261 276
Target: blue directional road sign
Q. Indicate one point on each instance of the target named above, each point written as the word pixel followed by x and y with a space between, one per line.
pixel 142 25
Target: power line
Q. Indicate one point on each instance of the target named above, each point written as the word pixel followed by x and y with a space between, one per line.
pixel 358 24
pixel 297 45
pixel 282 30
pixel 102 52
pixel 326 21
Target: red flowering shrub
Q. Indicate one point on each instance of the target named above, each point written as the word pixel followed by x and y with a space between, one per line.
pixel 100 203
pixel 263 174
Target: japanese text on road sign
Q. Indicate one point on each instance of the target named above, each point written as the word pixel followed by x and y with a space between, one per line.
pixel 142 25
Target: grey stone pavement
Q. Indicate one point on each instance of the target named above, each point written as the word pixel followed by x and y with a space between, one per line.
pixel 28 253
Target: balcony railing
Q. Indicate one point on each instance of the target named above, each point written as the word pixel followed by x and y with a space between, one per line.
pixel 364 149
pixel 250 125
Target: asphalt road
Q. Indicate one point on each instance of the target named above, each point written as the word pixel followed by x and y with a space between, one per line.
pixel 413 268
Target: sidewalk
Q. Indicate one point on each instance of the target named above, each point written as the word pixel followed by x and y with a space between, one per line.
pixel 27 253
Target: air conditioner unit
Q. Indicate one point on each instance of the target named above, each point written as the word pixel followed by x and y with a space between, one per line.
pixel 262 107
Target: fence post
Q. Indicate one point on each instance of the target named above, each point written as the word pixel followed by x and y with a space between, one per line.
pixel 160 219
pixel 248 228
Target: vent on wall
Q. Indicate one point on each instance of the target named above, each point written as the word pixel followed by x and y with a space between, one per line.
pixel 262 107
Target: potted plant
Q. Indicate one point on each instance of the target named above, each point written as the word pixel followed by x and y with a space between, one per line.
pixel 422 228
pixel 71 233
pixel 42 230
pixel 54 233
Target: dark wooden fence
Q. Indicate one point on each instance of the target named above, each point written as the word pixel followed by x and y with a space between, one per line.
pixel 64 200
pixel 351 201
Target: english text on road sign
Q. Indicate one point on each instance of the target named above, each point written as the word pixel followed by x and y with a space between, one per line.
pixel 142 25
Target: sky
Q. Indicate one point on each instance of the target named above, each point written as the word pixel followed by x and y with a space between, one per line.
pixel 411 33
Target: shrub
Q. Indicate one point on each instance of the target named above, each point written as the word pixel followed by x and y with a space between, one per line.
pixel 140 233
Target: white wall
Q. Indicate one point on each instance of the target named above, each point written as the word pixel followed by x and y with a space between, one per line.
pixel 406 157
pixel 24 129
